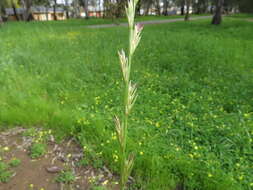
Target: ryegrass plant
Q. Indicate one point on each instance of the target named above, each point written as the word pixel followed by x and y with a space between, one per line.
pixel 130 93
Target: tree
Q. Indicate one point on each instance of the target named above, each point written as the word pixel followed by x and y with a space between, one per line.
pixel 201 6
pixel 147 4
pixel 66 8
pixel 44 3
pixel 187 15
pixel 54 7
pixel 246 6
pixel 115 8
pixel 85 4
pixel 14 4
pixel 3 5
pixel 157 6
pixel 165 7
pixel 1 12
pixel 181 5
pixel 76 8
pixel 138 7
pixel 120 8
pixel 231 5
pixel 27 14
pixel 217 18
pixel 1 18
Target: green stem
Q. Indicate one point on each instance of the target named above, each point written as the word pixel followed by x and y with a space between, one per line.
pixel 123 176
pixel 123 150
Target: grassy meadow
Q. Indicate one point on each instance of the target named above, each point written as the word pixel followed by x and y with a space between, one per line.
pixel 192 125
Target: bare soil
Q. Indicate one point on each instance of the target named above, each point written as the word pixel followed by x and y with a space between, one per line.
pixel 33 174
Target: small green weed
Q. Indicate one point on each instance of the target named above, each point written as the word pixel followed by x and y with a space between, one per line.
pixel 14 162
pixel 37 150
pixel 37 135
pixel 98 188
pixel 91 157
pixel 66 177
pixel 83 162
pixel 30 132
pixel 5 174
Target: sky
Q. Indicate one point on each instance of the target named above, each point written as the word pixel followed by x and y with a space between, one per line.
pixel 69 1
pixel 63 1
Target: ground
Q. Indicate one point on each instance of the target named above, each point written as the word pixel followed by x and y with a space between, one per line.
pixel 41 173
pixel 192 124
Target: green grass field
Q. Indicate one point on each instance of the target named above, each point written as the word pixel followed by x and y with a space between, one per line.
pixel 242 15
pixel 193 121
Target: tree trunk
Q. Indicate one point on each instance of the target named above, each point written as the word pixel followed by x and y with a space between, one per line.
pixel 76 9
pixel 46 12
pixel 1 19
pixel 148 4
pixel 158 8
pixel 165 7
pixel 118 8
pixel 198 8
pixel 138 8
pixel 187 15
pixel 182 7
pixel 211 9
pixel 217 18
pixel 67 14
pixel 55 3
pixel 206 5
pixel 86 10
pixel 1 15
pixel 101 8
pixel 66 8
pixel 105 8
pixel 15 11
pixel 27 14
pixel 121 4
pixel 67 11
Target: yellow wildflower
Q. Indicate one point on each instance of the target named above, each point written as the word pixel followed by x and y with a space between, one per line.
pixel 105 182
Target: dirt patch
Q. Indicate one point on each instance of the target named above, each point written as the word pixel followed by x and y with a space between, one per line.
pixel 250 20
pixel 41 173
